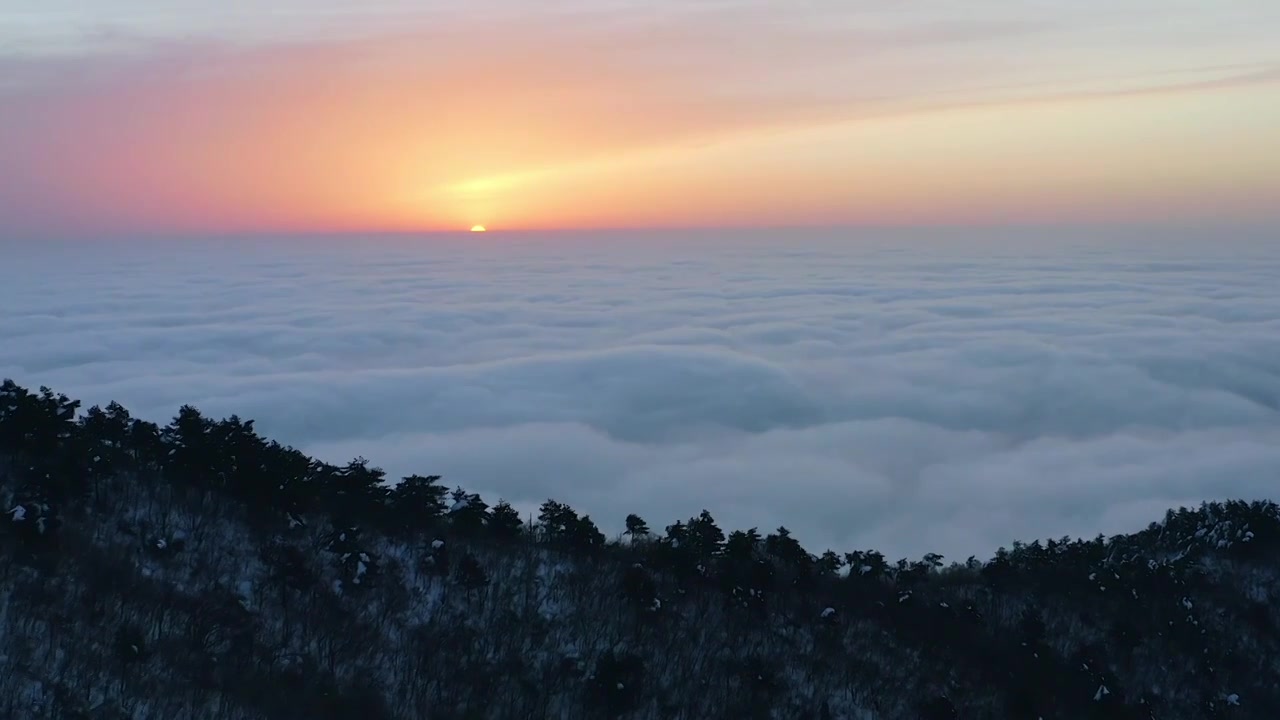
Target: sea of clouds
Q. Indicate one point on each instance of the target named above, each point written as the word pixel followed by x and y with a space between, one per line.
pixel 912 392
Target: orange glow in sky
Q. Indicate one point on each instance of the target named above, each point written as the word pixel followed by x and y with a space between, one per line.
pixel 517 121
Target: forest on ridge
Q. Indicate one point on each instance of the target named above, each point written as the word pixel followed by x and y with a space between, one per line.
pixel 197 570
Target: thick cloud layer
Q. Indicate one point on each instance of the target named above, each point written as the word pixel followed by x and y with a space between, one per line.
pixel 914 394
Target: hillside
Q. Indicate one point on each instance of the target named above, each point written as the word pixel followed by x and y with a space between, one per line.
pixel 198 570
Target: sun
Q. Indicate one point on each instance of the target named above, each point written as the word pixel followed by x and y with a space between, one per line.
pixel 477 228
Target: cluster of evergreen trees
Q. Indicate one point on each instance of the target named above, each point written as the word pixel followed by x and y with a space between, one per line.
pixel 1175 621
pixel 68 455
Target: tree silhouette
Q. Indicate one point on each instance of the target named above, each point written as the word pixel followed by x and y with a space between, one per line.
pixel 417 504
pixel 637 528
pixel 504 521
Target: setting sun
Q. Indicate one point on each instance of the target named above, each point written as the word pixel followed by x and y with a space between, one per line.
pixel 477 228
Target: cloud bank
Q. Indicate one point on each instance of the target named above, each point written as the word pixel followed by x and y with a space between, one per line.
pixel 913 394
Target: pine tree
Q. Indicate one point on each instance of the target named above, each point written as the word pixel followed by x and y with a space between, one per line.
pixel 504 521
pixel 741 546
pixel 637 528
pixel 355 493
pixel 557 521
pixel 468 514
pixel 586 535
pixel 829 564
pixel 706 539
pixel 417 503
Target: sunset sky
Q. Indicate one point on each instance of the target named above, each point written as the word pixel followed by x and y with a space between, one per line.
pixel 204 116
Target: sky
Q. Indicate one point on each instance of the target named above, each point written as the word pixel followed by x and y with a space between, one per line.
pixel 150 117
pixel 905 390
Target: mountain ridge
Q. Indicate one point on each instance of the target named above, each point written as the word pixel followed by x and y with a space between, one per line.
pixel 215 574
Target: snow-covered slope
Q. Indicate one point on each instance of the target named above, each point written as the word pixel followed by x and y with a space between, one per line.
pixel 199 571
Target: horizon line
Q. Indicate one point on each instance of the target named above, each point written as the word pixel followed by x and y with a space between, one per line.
pixel 265 233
